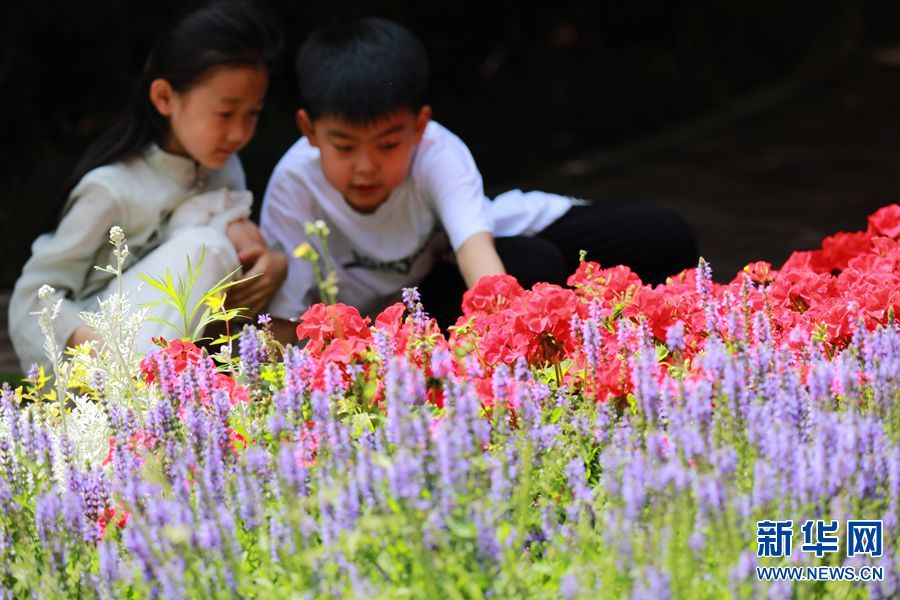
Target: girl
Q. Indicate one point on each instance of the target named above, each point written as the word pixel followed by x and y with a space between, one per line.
pixel 168 174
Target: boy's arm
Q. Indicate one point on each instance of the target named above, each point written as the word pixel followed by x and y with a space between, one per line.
pixel 478 257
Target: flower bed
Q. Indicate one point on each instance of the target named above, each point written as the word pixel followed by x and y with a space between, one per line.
pixel 604 440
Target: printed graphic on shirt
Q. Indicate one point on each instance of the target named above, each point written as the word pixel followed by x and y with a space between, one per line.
pixel 400 266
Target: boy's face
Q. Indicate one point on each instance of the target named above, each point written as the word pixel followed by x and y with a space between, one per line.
pixel 366 163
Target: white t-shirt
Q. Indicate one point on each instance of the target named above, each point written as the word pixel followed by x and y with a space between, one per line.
pixel 439 206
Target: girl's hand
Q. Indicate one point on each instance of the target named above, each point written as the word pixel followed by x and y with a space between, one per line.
pixel 83 334
pixel 255 293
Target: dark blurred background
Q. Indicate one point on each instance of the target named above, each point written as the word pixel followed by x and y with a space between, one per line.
pixel 728 111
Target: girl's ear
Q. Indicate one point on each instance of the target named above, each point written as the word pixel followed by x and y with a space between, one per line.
pixel 161 94
pixel 422 120
pixel 305 124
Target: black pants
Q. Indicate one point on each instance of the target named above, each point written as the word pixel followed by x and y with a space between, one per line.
pixel 654 242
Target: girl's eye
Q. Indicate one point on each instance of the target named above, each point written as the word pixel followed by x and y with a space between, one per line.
pixel 226 115
pixel 343 148
pixel 389 145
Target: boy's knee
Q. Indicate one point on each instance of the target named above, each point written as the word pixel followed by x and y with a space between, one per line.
pixel 531 260
pixel 678 238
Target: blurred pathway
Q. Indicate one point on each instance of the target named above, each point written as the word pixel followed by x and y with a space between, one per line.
pixel 762 187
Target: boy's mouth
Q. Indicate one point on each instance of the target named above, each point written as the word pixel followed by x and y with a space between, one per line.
pixel 365 189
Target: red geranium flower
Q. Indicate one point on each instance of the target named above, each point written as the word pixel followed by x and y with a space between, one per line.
pixel 491 294
pixel 324 325
pixel 885 221
pixel 182 354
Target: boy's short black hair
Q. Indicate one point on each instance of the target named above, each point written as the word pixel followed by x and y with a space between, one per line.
pixel 361 70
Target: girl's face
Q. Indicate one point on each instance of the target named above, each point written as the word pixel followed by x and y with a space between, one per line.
pixel 215 118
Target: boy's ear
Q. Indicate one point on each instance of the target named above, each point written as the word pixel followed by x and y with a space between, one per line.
pixel 161 94
pixel 305 125
pixel 422 120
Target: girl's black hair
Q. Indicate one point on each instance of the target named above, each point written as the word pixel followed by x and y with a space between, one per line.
pixel 220 33
pixel 361 70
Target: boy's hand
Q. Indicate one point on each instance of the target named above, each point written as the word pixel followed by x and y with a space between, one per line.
pixel 255 294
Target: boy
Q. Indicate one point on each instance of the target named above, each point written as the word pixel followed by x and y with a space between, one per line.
pixel 397 190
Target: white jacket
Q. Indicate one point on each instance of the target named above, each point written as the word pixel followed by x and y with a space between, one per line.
pixel 150 197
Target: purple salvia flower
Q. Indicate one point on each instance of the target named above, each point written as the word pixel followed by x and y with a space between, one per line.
pixel 697 539
pixel 33 373
pixel 445 459
pixel 675 337
pixel 165 367
pixel 279 536
pixel 500 484
pixel 298 370
pixel 634 487
pixel 11 412
pixel 654 584
pixel 413 303
pixel 248 499
pixel 442 363
pixel 321 405
pixel 259 463
pixel 139 550
pixel 602 423
pixel 348 508
pixel 705 295
pixel 213 474
pixel 568 586
pixel 575 475
pixel 384 344
pixel 46 515
pixel 292 473
pixel 109 569
pixel 486 537
pixel 659 446
pixel 708 492
pixel 195 423
pixel 764 483
pixel 207 536
pixel 252 350
pixel 643 374
pixel 743 571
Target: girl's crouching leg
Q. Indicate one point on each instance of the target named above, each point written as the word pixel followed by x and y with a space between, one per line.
pixel 212 256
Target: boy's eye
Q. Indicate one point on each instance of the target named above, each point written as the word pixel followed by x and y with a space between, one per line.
pixel 389 145
pixel 343 148
pixel 226 115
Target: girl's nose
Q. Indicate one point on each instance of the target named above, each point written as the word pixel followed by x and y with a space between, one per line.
pixel 240 131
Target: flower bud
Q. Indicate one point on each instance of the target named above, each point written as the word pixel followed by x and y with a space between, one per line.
pixel 306 252
pixel 46 291
pixel 116 235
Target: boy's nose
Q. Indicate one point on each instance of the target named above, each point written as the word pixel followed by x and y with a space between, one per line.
pixel 365 164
